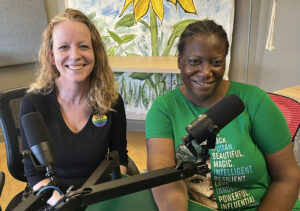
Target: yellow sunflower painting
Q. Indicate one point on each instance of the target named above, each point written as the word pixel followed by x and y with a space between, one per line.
pixel 148 28
pixel 141 7
pixel 156 7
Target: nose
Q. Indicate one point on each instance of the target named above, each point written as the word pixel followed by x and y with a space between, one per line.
pixel 205 68
pixel 74 53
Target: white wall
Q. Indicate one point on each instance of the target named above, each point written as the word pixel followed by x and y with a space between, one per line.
pixel 21 75
pixel 273 70
pixel 54 7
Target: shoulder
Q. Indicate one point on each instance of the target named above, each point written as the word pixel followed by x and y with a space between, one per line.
pixel 119 103
pixel 167 104
pixel 34 101
pixel 247 92
pixel 245 88
pixel 168 98
pixel 35 97
pixel 256 100
pixel 118 108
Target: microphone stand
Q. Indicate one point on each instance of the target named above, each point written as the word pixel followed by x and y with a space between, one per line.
pixel 50 172
pixel 108 190
pixel 91 192
pixel 109 169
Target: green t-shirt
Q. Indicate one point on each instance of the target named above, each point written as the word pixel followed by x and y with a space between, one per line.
pixel 238 169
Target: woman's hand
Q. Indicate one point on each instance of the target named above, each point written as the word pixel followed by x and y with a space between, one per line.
pixel 55 196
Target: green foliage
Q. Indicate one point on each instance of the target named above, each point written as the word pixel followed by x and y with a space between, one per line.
pixel 138 96
pixel 127 38
pixel 111 51
pixel 118 74
pixel 131 54
pixel 123 90
pixel 145 24
pixel 146 93
pixel 126 21
pixel 115 37
pixel 141 76
pixel 178 28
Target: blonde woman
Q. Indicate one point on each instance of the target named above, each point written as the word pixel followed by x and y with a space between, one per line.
pixel 74 92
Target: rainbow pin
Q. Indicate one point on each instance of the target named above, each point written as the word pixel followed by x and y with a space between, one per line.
pixel 99 120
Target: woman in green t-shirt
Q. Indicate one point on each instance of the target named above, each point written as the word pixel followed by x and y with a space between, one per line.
pixel 252 165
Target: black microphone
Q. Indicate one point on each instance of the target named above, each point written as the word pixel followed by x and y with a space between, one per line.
pixel 207 125
pixel 38 139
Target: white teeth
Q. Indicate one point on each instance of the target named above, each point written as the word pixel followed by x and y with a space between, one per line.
pixel 203 83
pixel 75 67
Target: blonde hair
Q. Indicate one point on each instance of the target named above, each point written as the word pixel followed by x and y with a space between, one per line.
pixel 102 93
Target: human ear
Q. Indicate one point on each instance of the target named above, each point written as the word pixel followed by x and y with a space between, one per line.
pixel 179 65
pixel 52 58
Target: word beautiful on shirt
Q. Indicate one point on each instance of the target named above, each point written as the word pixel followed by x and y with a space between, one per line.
pixel 225 172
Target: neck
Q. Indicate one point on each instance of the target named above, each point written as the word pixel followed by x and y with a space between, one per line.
pixel 72 94
pixel 210 100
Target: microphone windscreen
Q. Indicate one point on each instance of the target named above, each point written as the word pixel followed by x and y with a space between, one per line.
pixel 225 110
pixel 35 128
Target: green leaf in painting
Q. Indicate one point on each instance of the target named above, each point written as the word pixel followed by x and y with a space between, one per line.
pixel 137 101
pixel 126 21
pixel 111 51
pixel 145 24
pixel 127 38
pixel 178 28
pixel 118 73
pixel 140 76
pixel 145 93
pixel 115 37
pixel 131 54
pixel 123 90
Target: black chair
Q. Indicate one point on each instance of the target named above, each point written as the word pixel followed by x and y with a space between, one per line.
pixel 10 101
pixel 2 180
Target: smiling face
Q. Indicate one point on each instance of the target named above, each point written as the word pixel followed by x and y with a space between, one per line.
pixel 202 66
pixel 72 51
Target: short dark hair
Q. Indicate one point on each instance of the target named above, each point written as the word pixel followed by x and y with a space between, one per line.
pixel 202 27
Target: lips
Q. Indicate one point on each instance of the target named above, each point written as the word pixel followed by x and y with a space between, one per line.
pixel 75 67
pixel 203 83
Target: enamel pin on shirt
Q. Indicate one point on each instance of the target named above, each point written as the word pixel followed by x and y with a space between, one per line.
pixel 99 120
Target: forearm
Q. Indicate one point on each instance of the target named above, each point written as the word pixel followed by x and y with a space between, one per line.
pixel 171 196
pixel 281 195
pixel 285 177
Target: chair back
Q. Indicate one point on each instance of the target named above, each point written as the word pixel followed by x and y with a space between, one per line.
pixel 290 109
pixel 10 101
